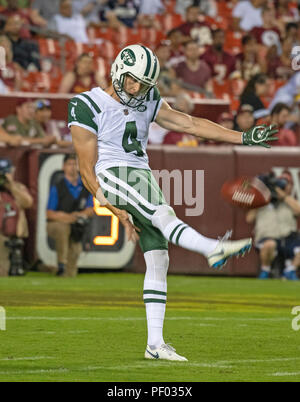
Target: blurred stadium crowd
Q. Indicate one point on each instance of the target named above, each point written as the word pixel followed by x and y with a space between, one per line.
pixel 241 51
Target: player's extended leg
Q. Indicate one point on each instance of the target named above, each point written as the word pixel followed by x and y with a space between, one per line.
pixel 155 298
pixel 121 187
pixel 177 232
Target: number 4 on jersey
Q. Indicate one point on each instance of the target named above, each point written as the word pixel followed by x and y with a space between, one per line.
pixel 130 134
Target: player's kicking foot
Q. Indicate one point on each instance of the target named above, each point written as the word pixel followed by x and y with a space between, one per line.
pixel 226 249
pixel 164 352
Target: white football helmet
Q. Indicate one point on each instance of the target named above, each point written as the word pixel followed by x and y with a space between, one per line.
pixel 140 63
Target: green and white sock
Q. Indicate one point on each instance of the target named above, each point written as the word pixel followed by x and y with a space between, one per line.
pixel 155 294
pixel 181 234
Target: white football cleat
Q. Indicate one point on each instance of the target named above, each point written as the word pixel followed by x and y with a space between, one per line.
pixel 164 352
pixel 226 249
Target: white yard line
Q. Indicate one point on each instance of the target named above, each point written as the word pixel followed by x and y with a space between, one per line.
pixel 218 364
pixel 284 374
pixel 46 318
pixel 12 359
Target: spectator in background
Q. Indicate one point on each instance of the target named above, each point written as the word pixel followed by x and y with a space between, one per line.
pixel 194 74
pixel 275 230
pixel 167 76
pixel 23 124
pixel 208 7
pixel 147 12
pixel 221 63
pixel 183 103
pixel 285 13
pixel 27 15
pixel 58 129
pixel 120 13
pixel 151 7
pixel 83 78
pixel 292 32
pixel 10 140
pixel 226 120
pixel 181 6
pixel 25 52
pixel 71 26
pixel 17 198
pixel 3 88
pixel 287 93
pixel 256 88
pixel 280 116
pixel 248 14
pixel 47 9
pixel 176 47
pixel 244 119
pixel 280 67
pixel 68 202
pixel 247 62
pixel 193 28
pixel 89 9
pixel 268 34
pixel 12 72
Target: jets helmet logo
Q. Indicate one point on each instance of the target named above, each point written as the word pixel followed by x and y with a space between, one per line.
pixel 128 57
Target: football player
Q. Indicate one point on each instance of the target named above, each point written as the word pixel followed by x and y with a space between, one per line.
pixel 109 131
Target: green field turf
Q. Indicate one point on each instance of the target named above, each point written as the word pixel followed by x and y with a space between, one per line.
pixel 93 328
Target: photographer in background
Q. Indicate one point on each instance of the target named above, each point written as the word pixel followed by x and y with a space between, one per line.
pixel 275 227
pixel 69 207
pixel 14 199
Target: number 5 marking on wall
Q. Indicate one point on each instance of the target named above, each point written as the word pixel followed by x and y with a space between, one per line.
pixel 114 227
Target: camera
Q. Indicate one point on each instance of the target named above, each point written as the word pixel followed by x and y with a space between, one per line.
pixel 271 181
pixel 5 167
pixel 15 245
pixel 78 228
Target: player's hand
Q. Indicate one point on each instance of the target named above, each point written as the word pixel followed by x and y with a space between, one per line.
pixel 259 135
pixel 130 229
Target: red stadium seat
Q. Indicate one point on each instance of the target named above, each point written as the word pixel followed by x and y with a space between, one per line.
pixel 127 36
pixel 222 90
pixel 234 103
pixel 101 33
pixel 233 42
pixel 215 23
pixel 49 48
pixel 36 82
pixel 225 8
pixel 196 95
pixel 151 37
pixel 75 49
pixel 108 50
pixel 169 21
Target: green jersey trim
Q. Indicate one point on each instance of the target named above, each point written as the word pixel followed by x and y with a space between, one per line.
pixel 157 98
pixel 80 114
pixel 83 126
pixel 95 106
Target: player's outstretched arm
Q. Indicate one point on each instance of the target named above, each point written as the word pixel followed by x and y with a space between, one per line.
pixel 203 128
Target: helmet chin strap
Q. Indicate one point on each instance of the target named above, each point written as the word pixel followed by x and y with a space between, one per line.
pixel 125 98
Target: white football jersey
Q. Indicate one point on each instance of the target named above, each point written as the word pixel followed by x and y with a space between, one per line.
pixel 122 131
